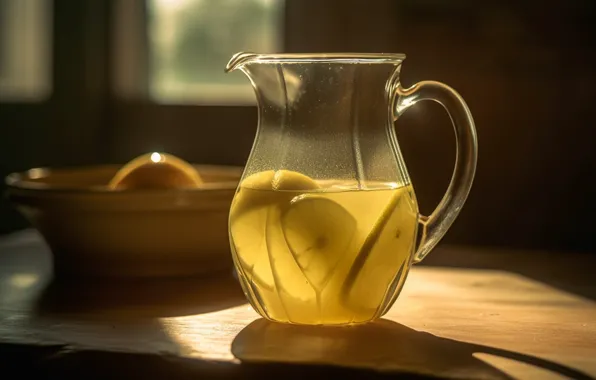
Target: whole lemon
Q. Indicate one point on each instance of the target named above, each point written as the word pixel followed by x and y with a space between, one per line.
pixel 156 171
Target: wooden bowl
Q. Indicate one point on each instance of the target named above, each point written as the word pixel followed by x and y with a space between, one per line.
pixel 96 232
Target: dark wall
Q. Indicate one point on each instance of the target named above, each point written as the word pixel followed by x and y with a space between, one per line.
pixel 526 69
pixel 68 128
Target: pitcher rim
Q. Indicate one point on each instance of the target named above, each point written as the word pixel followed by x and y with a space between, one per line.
pixel 243 58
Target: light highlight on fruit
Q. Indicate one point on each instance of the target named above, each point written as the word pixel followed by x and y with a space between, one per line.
pixel 156 171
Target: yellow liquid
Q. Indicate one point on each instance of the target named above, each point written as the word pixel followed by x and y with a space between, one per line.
pixel 330 255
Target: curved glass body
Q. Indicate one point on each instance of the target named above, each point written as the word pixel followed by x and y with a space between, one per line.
pixel 323 226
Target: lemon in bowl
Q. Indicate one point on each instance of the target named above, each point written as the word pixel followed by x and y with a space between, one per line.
pixel 142 219
pixel 156 171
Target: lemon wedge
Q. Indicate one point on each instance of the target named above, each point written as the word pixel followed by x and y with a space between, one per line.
pixel 156 171
pixel 385 253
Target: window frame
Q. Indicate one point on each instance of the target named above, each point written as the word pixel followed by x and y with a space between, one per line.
pixel 223 134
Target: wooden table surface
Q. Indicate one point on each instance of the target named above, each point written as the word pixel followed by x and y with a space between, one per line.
pixel 466 313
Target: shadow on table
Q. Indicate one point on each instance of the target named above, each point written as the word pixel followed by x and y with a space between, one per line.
pixel 140 299
pixel 384 346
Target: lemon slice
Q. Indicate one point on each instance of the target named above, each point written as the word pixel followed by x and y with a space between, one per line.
pixel 318 232
pixel 279 180
pixel 261 250
pixel 257 195
pixel 259 181
pixel 290 180
pixel 274 186
pixel 156 171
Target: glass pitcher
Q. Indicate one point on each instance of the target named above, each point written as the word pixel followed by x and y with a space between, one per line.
pixel 324 223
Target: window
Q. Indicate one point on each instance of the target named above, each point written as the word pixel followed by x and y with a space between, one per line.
pixel 190 42
pixel 25 50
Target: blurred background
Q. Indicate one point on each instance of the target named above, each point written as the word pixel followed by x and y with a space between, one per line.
pixel 102 81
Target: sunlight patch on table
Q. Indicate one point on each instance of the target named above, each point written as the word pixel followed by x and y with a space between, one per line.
pixel 209 335
pixel 485 285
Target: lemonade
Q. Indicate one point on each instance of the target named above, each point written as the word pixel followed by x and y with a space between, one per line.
pixel 321 252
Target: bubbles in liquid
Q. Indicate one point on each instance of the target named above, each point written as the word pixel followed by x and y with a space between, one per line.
pixel 321 253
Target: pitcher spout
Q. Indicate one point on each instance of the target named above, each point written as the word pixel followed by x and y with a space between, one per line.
pixel 300 85
pixel 240 59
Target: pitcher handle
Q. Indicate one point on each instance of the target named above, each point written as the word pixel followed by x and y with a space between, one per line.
pixel 436 225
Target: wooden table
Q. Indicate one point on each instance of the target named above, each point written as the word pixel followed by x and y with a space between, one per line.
pixel 467 313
